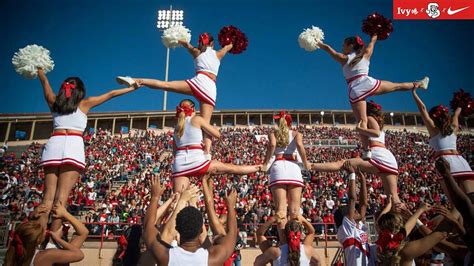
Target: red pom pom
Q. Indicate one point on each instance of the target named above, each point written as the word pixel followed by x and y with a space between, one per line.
pixel 376 24
pixel 230 34
pixel 464 100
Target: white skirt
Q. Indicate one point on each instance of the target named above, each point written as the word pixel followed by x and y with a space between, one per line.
pixel 204 88
pixel 64 150
pixel 384 160
pixel 460 168
pixel 190 163
pixel 362 87
pixel 285 172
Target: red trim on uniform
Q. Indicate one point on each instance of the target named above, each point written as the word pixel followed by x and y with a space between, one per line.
pixel 195 171
pixel 365 95
pixel 199 94
pixel 207 74
pixel 190 147
pixel 464 175
pixel 354 78
pixel 290 159
pixel 66 134
pixel 354 242
pixel 67 158
pixel 62 162
pixel 287 182
pixel 383 167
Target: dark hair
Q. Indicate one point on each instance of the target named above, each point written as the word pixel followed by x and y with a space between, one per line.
pixel 338 217
pixel 374 110
pixel 359 50
pixel 442 120
pixel 202 47
pixel 293 255
pixel 132 253
pixel 63 105
pixel 189 224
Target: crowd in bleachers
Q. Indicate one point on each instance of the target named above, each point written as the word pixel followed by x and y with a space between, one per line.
pixel 115 184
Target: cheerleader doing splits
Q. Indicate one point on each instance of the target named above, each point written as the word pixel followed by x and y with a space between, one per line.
pixel 202 86
pixel 286 181
pixel 355 61
pixel 442 130
pixel 189 158
pixel 382 163
pixel 63 156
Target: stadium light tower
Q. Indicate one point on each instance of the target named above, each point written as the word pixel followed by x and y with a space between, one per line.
pixel 322 117
pixel 391 117
pixel 166 19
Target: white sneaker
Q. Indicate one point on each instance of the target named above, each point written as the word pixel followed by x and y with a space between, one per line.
pixel 424 83
pixel 208 156
pixel 366 155
pixel 125 81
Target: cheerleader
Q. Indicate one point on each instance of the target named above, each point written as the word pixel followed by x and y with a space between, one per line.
pixel 355 61
pixel 189 157
pixel 443 130
pixel 382 163
pixel 202 86
pixel 286 181
pixel 63 156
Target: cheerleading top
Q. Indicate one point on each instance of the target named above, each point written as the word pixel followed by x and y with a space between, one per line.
pixel 207 62
pixel 380 138
pixel 290 149
pixel 443 143
pixel 361 68
pixel 191 135
pixel 75 121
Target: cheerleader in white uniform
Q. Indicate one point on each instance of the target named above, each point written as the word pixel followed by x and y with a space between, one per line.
pixel 202 86
pixel 189 157
pixel 382 163
pixel 442 130
pixel 63 155
pixel 286 181
pixel 355 61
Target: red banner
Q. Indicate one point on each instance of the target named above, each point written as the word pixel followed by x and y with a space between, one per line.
pixel 433 9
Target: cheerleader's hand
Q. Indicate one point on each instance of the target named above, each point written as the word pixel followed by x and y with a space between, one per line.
pixel 59 211
pixel 443 166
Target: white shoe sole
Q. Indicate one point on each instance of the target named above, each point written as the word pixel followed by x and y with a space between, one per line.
pixel 125 81
pixel 424 83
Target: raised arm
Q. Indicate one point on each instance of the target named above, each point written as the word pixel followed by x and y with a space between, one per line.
pixel 370 47
pixel 339 57
pixel 372 130
pixel 455 123
pixel 263 228
pixel 301 151
pixel 362 194
pixel 94 101
pixel 424 114
pixel 60 212
pixel 270 149
pixel 310 232
pixel 191 49
pixel 411 222
pixel 208 128
pixel 151 215
pixel 352 190
pixel 222 52
pixel 207 188
pixel 163 209
pixel 49 95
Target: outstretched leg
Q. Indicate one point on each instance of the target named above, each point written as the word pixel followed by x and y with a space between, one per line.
pixel 206 113
pixel 328 167
pixel 388 86
pixel 171 86
pixel 217 167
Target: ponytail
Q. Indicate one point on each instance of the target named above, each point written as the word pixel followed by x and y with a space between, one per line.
pixel 442 120
pixel 293 234
pixel 23 245
pixel 359 48
pixel 184 109
pixel 180 126
pixel 205 40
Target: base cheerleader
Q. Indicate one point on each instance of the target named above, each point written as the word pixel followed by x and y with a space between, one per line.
pixel 189 157
pixel 202 86
pixel 63 156
pixel 382 163
pixel 442 129
pixel 355 61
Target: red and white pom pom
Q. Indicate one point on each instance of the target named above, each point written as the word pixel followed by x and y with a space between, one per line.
pixel 176 33
pixel 376 24
pixel 310 38
pixel 28 59
pixel 464 100
pixel 230 34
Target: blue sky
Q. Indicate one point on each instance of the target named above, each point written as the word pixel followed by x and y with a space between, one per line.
pixel 98 40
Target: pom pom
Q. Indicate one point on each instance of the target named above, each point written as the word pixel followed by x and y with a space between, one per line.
pixel 376 24
pixel 176 33
pixel 464 100
pixel 310 38
pixel 230 34
pixel 28 59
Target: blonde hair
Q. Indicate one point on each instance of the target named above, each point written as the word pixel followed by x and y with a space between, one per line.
pixel 30 234
pixel 282 134
pixel 182 116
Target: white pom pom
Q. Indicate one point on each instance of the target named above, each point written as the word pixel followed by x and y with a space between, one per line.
pixel 310 38
pixel 172 35
pixel 27 60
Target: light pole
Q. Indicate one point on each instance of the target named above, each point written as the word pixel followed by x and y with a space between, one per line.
pixel 166 19
pixel 322 117
pixel 391 117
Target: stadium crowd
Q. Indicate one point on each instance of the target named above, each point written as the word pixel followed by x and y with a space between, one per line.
pixel 114 186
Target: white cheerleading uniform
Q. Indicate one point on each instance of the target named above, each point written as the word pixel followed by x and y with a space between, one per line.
pixel 460 168
pixel 360 85
pixel 202 85
pixel 282 260
pixel 353 238
pixel 181 257
pixel 286 171
pixel 66 148
pixel 189 159
pixel 382 158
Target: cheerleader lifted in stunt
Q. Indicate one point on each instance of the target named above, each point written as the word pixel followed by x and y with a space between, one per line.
pixel 202 86
pixel 189 157
pixel 355 61
pixel 63 156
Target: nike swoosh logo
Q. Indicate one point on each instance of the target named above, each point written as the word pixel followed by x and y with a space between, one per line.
pixel 452 12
